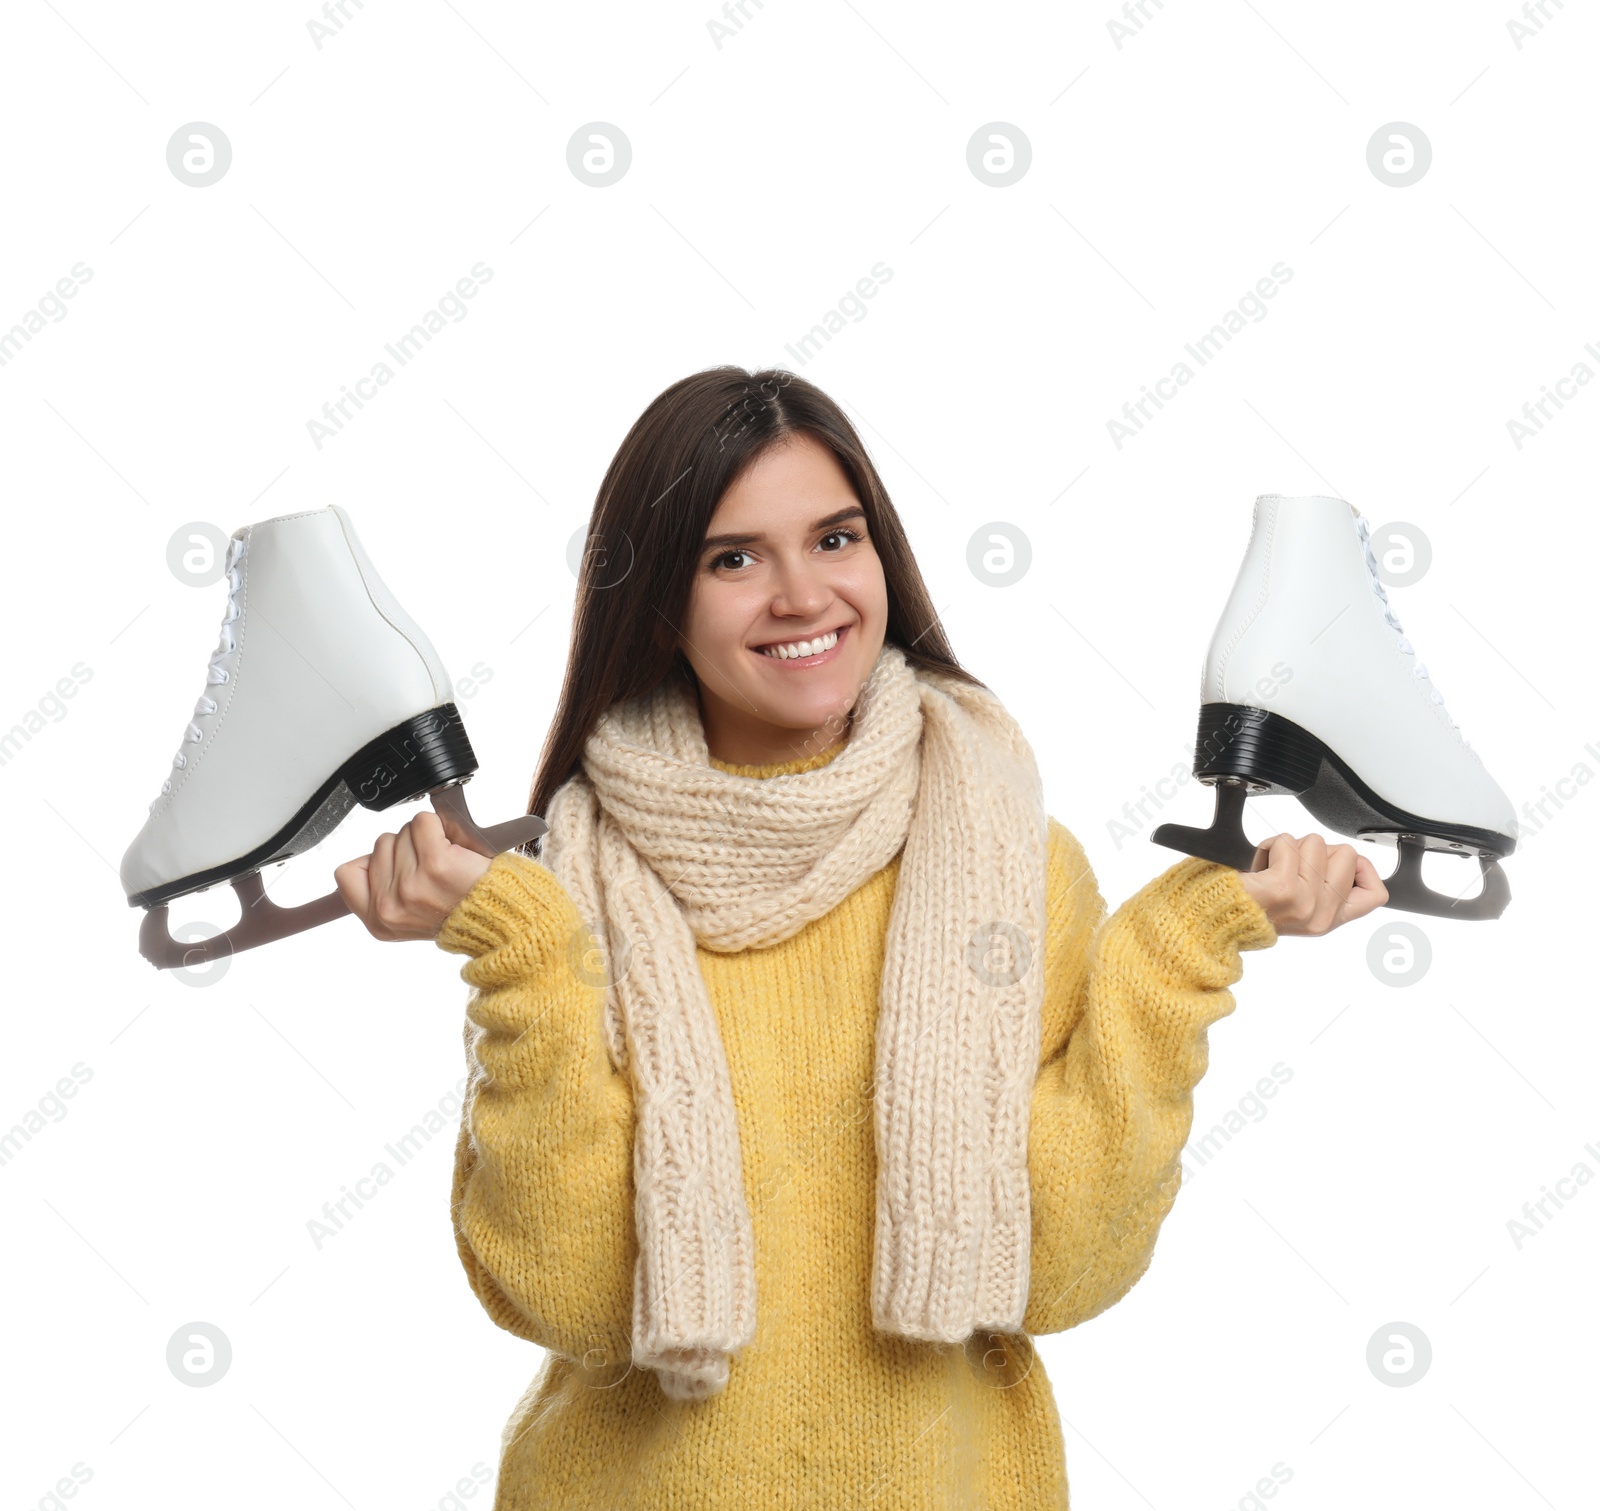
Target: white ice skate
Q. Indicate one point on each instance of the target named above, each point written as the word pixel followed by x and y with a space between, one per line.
pixel 1312 688
pixel 322 693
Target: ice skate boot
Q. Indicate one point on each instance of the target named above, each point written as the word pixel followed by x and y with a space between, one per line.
pixel 322 693
pixel 1312 688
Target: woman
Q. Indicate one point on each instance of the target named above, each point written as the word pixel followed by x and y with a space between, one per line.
pixel 869 1089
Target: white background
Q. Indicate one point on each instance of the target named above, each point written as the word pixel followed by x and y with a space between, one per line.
pixel 770 173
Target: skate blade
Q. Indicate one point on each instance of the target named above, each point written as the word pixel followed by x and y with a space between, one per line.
pixel 1409 893
pixel 261 921
pixel 1226 843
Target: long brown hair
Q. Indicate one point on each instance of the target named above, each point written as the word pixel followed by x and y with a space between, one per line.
pixel 650 518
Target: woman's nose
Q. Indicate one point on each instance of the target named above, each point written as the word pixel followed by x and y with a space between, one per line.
pixel 800 590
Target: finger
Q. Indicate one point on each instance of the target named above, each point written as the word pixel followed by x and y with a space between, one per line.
pixel 1368 880
pixel 1314 859
pixel 433 882
pixel 1263 855
pixel 411 878
pixel 381 870
pixel 405 850
pixel 454 832
pixel 439 839
pixel 1313 882
pixel 1279 876
pixel 1284 860
pixel 1341 870
pixel 1369 892
pixel 351 880
pixel 431 838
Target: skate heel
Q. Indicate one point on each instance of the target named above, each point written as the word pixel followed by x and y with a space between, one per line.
pixel 1272 754
pixel 411 759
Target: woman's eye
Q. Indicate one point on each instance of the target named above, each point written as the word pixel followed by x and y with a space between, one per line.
pixel 737 558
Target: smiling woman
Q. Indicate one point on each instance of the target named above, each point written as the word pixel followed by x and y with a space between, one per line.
pixel 788 609
pixel 749 513
pixel 809 1077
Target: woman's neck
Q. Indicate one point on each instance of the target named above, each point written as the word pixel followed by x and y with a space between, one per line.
pixel 760 744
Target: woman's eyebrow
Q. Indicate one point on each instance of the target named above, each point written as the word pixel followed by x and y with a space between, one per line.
pixel 853 511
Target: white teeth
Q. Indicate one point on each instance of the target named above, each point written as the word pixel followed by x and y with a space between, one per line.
pixel 799 648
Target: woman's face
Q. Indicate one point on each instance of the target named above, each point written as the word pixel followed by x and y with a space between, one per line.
pixel 799 568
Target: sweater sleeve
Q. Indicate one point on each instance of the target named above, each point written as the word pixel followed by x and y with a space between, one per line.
pixel 542 1197
pixel 1127 1002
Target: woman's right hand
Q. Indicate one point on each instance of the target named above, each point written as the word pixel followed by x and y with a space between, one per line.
pixel 413 880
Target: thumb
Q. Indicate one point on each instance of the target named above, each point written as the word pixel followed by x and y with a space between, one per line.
pixel 448 824
pixel 1367 892
pixel 355 885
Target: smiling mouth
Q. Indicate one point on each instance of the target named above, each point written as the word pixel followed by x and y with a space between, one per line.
pixel 807 650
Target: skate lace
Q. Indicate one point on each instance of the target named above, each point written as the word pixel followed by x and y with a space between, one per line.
pixel 1403 645
pixel 215 672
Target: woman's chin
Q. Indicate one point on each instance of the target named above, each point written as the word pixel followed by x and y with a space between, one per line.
pixel 824 696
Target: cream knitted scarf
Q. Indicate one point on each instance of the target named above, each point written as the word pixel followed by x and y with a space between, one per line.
pixel 658 849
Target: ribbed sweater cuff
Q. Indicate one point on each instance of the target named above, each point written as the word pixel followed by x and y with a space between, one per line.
pixel 516 901
pixel 1207 904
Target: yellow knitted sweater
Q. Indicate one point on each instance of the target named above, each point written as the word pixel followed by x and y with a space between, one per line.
pixel 820 1410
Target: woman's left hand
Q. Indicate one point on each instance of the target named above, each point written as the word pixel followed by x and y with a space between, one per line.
pixel 1306 886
